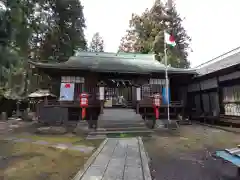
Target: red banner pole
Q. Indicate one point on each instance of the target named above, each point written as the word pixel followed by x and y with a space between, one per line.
pixel 157 112
pixel 83 113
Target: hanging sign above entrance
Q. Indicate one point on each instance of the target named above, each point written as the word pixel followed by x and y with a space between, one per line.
pixel 72 79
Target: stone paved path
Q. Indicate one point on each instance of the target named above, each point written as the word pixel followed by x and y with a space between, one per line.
pixel 117 159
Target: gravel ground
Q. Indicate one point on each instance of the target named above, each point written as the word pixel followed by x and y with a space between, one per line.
pixel 14 125
pixel 187 154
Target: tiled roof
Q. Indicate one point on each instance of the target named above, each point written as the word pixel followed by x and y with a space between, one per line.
pixel 224 61
pixel 112 62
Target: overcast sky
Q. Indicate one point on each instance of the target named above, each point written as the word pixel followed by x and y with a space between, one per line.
pixel 213 25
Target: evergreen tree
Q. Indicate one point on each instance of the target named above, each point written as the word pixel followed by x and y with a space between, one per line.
pixel 41 30
pixel 66 32
pixel 97 43
pixel 4 25
pixel 146 35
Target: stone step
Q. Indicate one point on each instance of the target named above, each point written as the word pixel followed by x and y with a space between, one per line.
pixel 136 132
pixel 121 125
pixel 120 122
pixel 119 114
pixel 118 135
pixel 123 129
pixel 92 136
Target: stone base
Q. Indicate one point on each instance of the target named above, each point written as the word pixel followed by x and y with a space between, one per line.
pixel 172 125
pixel 160 124
pixel 185 122
pixel 164 124
pixel 51 130
pixel 96 137
pixel 3 116
pixel 82 128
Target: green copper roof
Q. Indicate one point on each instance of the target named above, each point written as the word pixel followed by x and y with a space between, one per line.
pixel 112 62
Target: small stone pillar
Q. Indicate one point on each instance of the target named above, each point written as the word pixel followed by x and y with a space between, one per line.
pixel 3 116
pixel 101 95
pixel 138 98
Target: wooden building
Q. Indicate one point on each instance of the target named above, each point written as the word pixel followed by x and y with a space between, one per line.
pixel 121 75
pixel 214 94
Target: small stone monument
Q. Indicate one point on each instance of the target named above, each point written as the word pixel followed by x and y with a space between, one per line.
pixel 3 116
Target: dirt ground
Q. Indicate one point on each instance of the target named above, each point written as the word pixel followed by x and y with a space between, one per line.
pixel 187 154
pixel 28 161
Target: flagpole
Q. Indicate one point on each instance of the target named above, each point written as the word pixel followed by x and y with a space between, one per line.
pixel 166 78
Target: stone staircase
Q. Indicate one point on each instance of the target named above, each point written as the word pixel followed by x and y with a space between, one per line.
pixel 120 123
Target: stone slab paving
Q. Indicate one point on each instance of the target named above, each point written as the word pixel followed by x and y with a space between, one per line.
pixel 118 159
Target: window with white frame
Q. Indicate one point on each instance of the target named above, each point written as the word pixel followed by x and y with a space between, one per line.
pixel 72 79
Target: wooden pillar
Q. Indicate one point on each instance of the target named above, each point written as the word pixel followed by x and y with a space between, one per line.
pixel 45 100
pixel 201 99
pixel 209 99
pixel 220 97
pixel 101 106
pixel 101 97
pixel 18 109
pixel 183 92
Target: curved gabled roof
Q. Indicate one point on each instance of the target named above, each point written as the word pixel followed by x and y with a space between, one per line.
pixel 111 62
